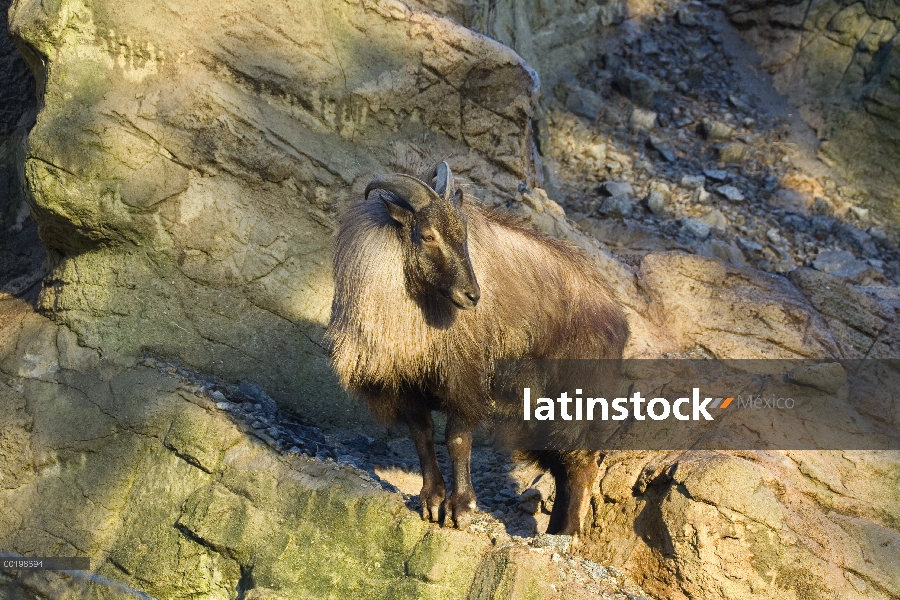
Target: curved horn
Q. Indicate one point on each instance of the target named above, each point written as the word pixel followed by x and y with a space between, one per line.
pixel 414 191
pixel 443 180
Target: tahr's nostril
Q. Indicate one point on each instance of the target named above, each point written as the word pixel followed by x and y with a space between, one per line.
pixel 473 296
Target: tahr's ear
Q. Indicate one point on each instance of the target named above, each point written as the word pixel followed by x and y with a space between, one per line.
pixel 458 197
pixel 398 208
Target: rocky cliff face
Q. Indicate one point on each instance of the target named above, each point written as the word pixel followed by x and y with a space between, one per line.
pixel 185 172
pixel 840 61
pixel 188 163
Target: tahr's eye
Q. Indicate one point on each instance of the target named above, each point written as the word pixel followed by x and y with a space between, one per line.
pixel 427 237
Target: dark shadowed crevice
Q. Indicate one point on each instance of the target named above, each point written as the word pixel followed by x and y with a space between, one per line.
pixel 23 257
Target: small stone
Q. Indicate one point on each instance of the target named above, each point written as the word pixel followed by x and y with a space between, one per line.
pixel 715 131
pixel 731 193
pixel 218 396
pixel 716 174
pixel 738 103
pixel 620 206
pixel 642 119
pixel 750 245
pixel 683 86
pixel 656 202
pixel 639 88
pixel 695 227
pixel 841 263
pixel 700 196
pixel 665 150
pixel 584 102
pixel 878 233
pixel 860 213
pixel 715 220
pixel 775 237
pixel 861 239
pixel 856 271
pixel 731 153
pixel 616 188
pixel 692 182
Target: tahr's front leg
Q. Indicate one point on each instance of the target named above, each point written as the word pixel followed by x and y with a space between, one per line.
pixel 461 503
pixel 421 430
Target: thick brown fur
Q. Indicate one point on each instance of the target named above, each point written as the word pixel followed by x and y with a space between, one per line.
pixel 406 350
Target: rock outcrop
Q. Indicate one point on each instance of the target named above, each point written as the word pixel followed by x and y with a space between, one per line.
pixel 840 62
pixel 170 497
pixel 188 163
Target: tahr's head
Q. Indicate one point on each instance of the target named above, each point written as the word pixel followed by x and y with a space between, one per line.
pixel 434 225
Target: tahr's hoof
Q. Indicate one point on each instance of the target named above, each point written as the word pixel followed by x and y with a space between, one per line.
pixel 459 510
pixel 432 505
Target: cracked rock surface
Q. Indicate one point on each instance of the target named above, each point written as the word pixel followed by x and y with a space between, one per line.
pixel 173 497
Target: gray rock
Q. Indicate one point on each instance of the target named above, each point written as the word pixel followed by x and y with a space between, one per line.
pixel 692 182
pixel 620 206
pixel 738 103
pixel 716 174
pixel 775 237
pixel 639 88
pixel 878 233
pixel 841 263
pixel 860 239
pixel 731 193
pixel 695 227
pixel 857 271
pixel 716 131
pixel 584 102
pixel 616 188
pixel 750 245
pixel 831 260
pixel 656 202
pixel 665 150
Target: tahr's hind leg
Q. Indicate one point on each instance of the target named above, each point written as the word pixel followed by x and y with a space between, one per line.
pixel 461 503
pixel 575 474
pixel 421 430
